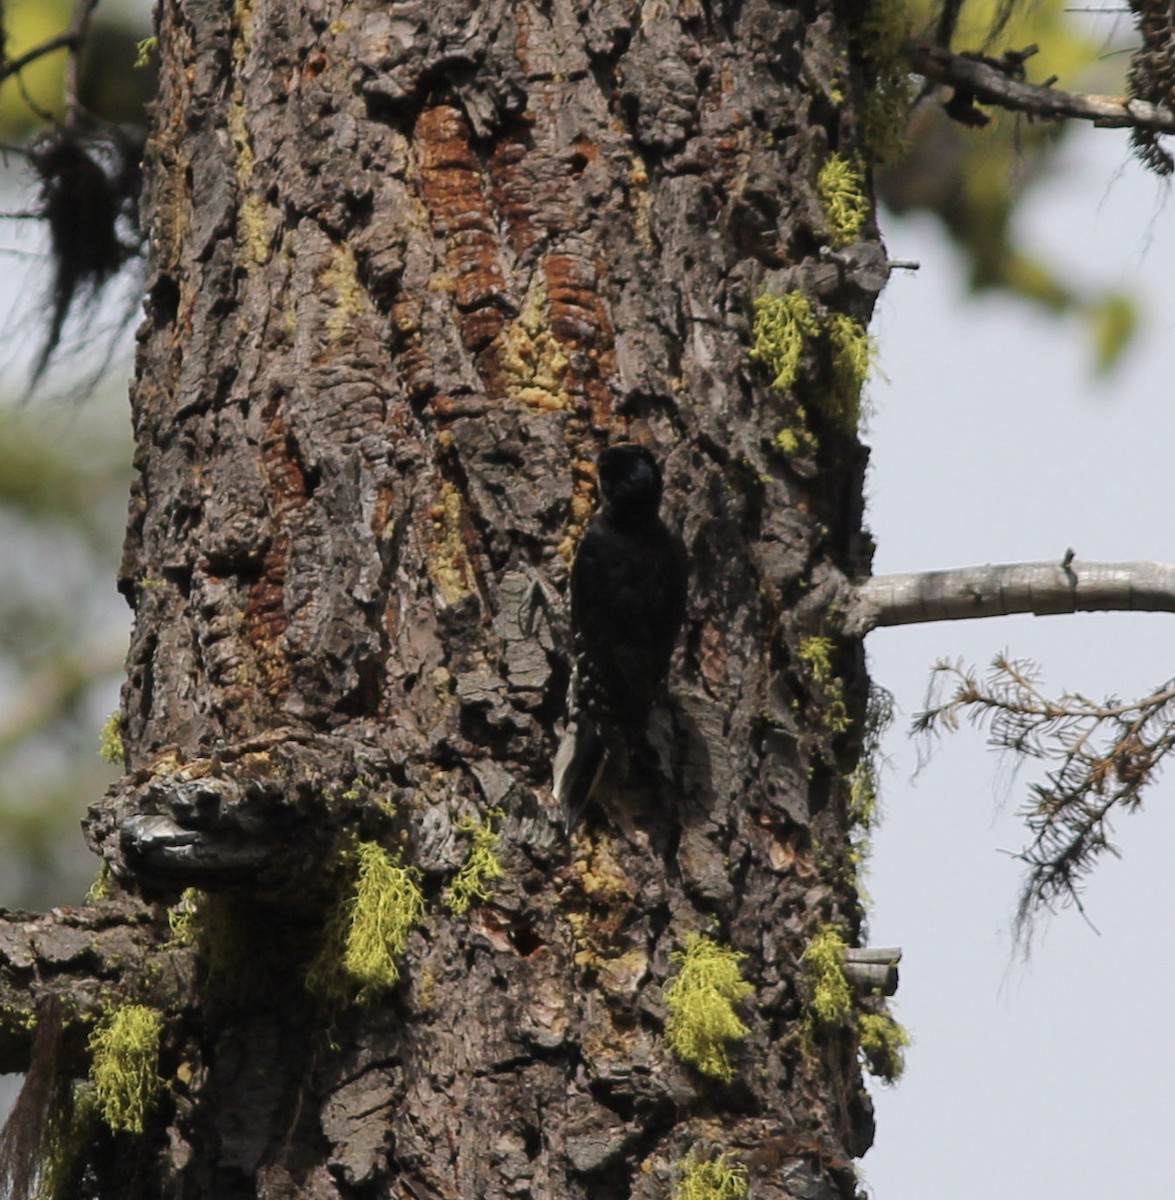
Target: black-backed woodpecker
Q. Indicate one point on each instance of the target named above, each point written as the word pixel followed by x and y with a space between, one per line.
pixel 628 587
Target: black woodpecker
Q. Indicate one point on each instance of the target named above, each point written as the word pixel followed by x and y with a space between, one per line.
pixel 628 585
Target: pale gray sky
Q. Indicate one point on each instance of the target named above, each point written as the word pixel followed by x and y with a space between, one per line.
pixel 992 443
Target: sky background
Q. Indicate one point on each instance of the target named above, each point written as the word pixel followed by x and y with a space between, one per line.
pixel 992 442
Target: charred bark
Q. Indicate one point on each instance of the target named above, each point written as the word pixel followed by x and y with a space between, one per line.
pixel 411 268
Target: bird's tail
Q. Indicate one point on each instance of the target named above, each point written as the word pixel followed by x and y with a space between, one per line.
pixel 579 763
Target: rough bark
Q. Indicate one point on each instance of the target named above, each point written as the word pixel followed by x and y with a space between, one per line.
pixel 412 265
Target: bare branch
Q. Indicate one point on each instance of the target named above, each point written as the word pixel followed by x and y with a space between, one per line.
pixel 991 82
pixel 61 41
pixel 1042 588
pixel 80 956
pixel 1102 755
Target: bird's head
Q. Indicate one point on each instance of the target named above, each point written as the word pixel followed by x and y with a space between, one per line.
pixel 630 483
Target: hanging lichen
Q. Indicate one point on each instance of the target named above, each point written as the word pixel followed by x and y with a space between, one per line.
pixel 781 326
pixel 366 931
pixel 830 999
pixel 124 1068
pixel 882 1042
pixel 815 653
pixel 830 1004
pixel 701 998
pixel 471 884
pixel 853 351
pixel 841 187
pixel 110 744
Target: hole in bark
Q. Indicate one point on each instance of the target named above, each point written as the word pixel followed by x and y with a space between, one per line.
pixel 164 299
pixel 181 577
pixel 532 1142
pixel 363 700
pixel 524 939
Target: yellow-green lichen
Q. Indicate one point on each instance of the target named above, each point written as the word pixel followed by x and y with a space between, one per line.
pixel 145 51
pixel 110 744
pixel 702 1021
pixel 471 884
pixel 830 999
pixel 102 886
pixel 816 655
pixel 366 932
pixel 863 795
pixel 885 28
pixel 182 916
pixel 853 351
pixel 387 906
pixel 720 1178
pixel 841 187
pixel 781 326
pixel 798 438
pixel 883 1042
pixel 124 1066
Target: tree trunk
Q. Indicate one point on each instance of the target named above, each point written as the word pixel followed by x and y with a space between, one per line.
pixel 413 265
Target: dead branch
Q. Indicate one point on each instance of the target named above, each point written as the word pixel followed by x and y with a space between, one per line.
pixel 1041 588
pixel 992 82
pixel 1102 754
pixel 84 958
pixel 69 39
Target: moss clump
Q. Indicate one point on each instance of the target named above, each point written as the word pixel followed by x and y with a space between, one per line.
pixel 701 999
pixel 718 1178
pixel 830 999
pixel 883 1042
pixel 124 1067
pixel 367 931
pixel 841 187
pixel 110 744
pixel 471 885
pixel 780 328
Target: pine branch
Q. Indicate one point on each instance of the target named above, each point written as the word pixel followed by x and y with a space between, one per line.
pixel 1100 757
pixel 1041 588
pixel 991 81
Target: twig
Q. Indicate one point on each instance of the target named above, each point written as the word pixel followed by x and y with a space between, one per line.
pixel 82 10
pixel 989 83
pixel 13 66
